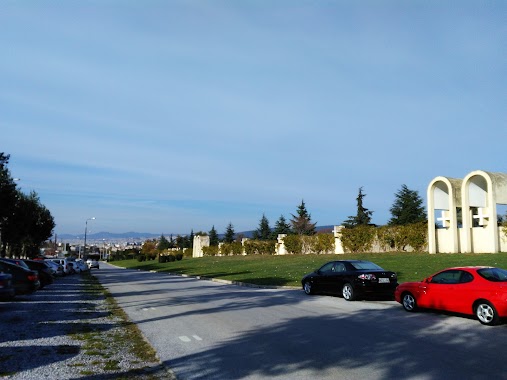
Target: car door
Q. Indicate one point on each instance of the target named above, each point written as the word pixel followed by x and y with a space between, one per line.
pixel 325 278
pixel 442 291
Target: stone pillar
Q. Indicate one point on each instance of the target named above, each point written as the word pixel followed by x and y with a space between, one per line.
pixel 243 252
pixel 280 245
pixel 199 242
pixel 338 247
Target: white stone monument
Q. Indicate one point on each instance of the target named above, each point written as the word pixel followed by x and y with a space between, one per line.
pixel 467 213
pixel 199 242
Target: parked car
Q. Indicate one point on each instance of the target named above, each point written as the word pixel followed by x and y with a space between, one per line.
pixel 92 263
pixel 7 290
pixel 67 269
pixel 19 262
pixel 81 266
pixel 352 279
pixel 25 281
pixel 58 268
pixel 44 271
pixel 479 291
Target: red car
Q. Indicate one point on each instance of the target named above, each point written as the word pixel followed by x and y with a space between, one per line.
pixel 479 291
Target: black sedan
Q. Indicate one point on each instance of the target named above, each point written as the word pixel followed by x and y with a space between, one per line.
pixel 6 288
pixel 25 281
pixel 43 269
pixel 352 279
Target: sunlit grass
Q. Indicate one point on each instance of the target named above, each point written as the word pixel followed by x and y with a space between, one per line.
pixel 287 270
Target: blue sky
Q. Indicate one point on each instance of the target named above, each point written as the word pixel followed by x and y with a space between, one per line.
pixel 167 116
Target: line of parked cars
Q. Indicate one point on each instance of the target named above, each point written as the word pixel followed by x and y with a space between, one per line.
pixel 474 290
pixel 23 276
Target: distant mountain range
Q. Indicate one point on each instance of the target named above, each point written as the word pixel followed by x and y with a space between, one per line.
pixel 146 235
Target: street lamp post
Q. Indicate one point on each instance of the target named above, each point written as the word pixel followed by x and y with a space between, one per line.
pixel 86 231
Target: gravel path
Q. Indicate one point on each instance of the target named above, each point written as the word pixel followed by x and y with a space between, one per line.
pixel 67 331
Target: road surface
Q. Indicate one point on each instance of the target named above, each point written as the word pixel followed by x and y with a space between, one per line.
pixel 203 329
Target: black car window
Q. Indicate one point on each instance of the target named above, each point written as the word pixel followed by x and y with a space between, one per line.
pixel 327 268
pixel 466 277
pixel 447 277
pixel 339 267
pixel 365 265
pixel 493 274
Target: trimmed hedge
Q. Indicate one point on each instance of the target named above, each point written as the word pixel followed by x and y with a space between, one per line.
pixel 260 247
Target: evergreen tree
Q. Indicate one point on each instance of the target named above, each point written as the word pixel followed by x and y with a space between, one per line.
pixel 407 208
pixel 363 216
pixel 264 231
pixel 213 237
pixel 301 223
pixel 191 239
pixel 163 243
pixel 181 242
pixel 229 234
pixel 172 244
pixel 281 227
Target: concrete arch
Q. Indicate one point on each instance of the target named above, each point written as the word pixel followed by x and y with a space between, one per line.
pixel 444 194
pixel 480 193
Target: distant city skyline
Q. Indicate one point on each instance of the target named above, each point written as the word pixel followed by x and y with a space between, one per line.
pixel 179 116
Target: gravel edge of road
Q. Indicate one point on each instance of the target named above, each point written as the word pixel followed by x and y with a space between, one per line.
pixel 68 330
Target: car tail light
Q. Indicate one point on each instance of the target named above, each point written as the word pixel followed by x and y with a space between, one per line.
pixel 33 277
pixel 367 276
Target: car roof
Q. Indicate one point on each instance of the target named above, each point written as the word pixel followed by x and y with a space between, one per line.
pixel 472 267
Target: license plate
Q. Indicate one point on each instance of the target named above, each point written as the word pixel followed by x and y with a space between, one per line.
pixel 383 280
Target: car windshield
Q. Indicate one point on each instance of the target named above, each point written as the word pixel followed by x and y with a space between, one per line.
pixel 368 265
pixel 493 274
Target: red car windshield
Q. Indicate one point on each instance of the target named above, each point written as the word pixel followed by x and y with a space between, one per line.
pixel 493 274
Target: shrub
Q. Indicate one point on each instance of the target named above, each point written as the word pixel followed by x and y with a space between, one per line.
pixel 162 259
pixel 226 249
pixel 320 243
pixel 358 239
pixel 141 258
pixel 237 248
pixel 179 256
pixel 171 258
pixel 416 235
pixel 212 250
pixel 188 252
pixel 293 244
pixel 259 247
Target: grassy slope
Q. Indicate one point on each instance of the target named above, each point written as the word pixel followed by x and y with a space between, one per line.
pixel 287 270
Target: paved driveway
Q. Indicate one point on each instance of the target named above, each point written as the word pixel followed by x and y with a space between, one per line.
pixel 208 330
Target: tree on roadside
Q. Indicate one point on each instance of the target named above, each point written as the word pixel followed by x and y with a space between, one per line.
pixel 213 237
pixel 8 199
pixel 181 242
pixel 363 216
pixel 301 223
pixel 229 234
pixel 191 239
pixel 264 231
pixel 29 225
pixel 163 243
pixel 281 227
pixel 407 208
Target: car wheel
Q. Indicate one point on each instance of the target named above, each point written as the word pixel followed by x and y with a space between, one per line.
pixel 409 303
pixel 486 313
pixel 307 287
pixel 348 292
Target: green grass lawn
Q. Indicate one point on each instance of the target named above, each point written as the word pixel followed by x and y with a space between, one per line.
pixel 287 270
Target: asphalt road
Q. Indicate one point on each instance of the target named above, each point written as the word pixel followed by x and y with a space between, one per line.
pixel 209 330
